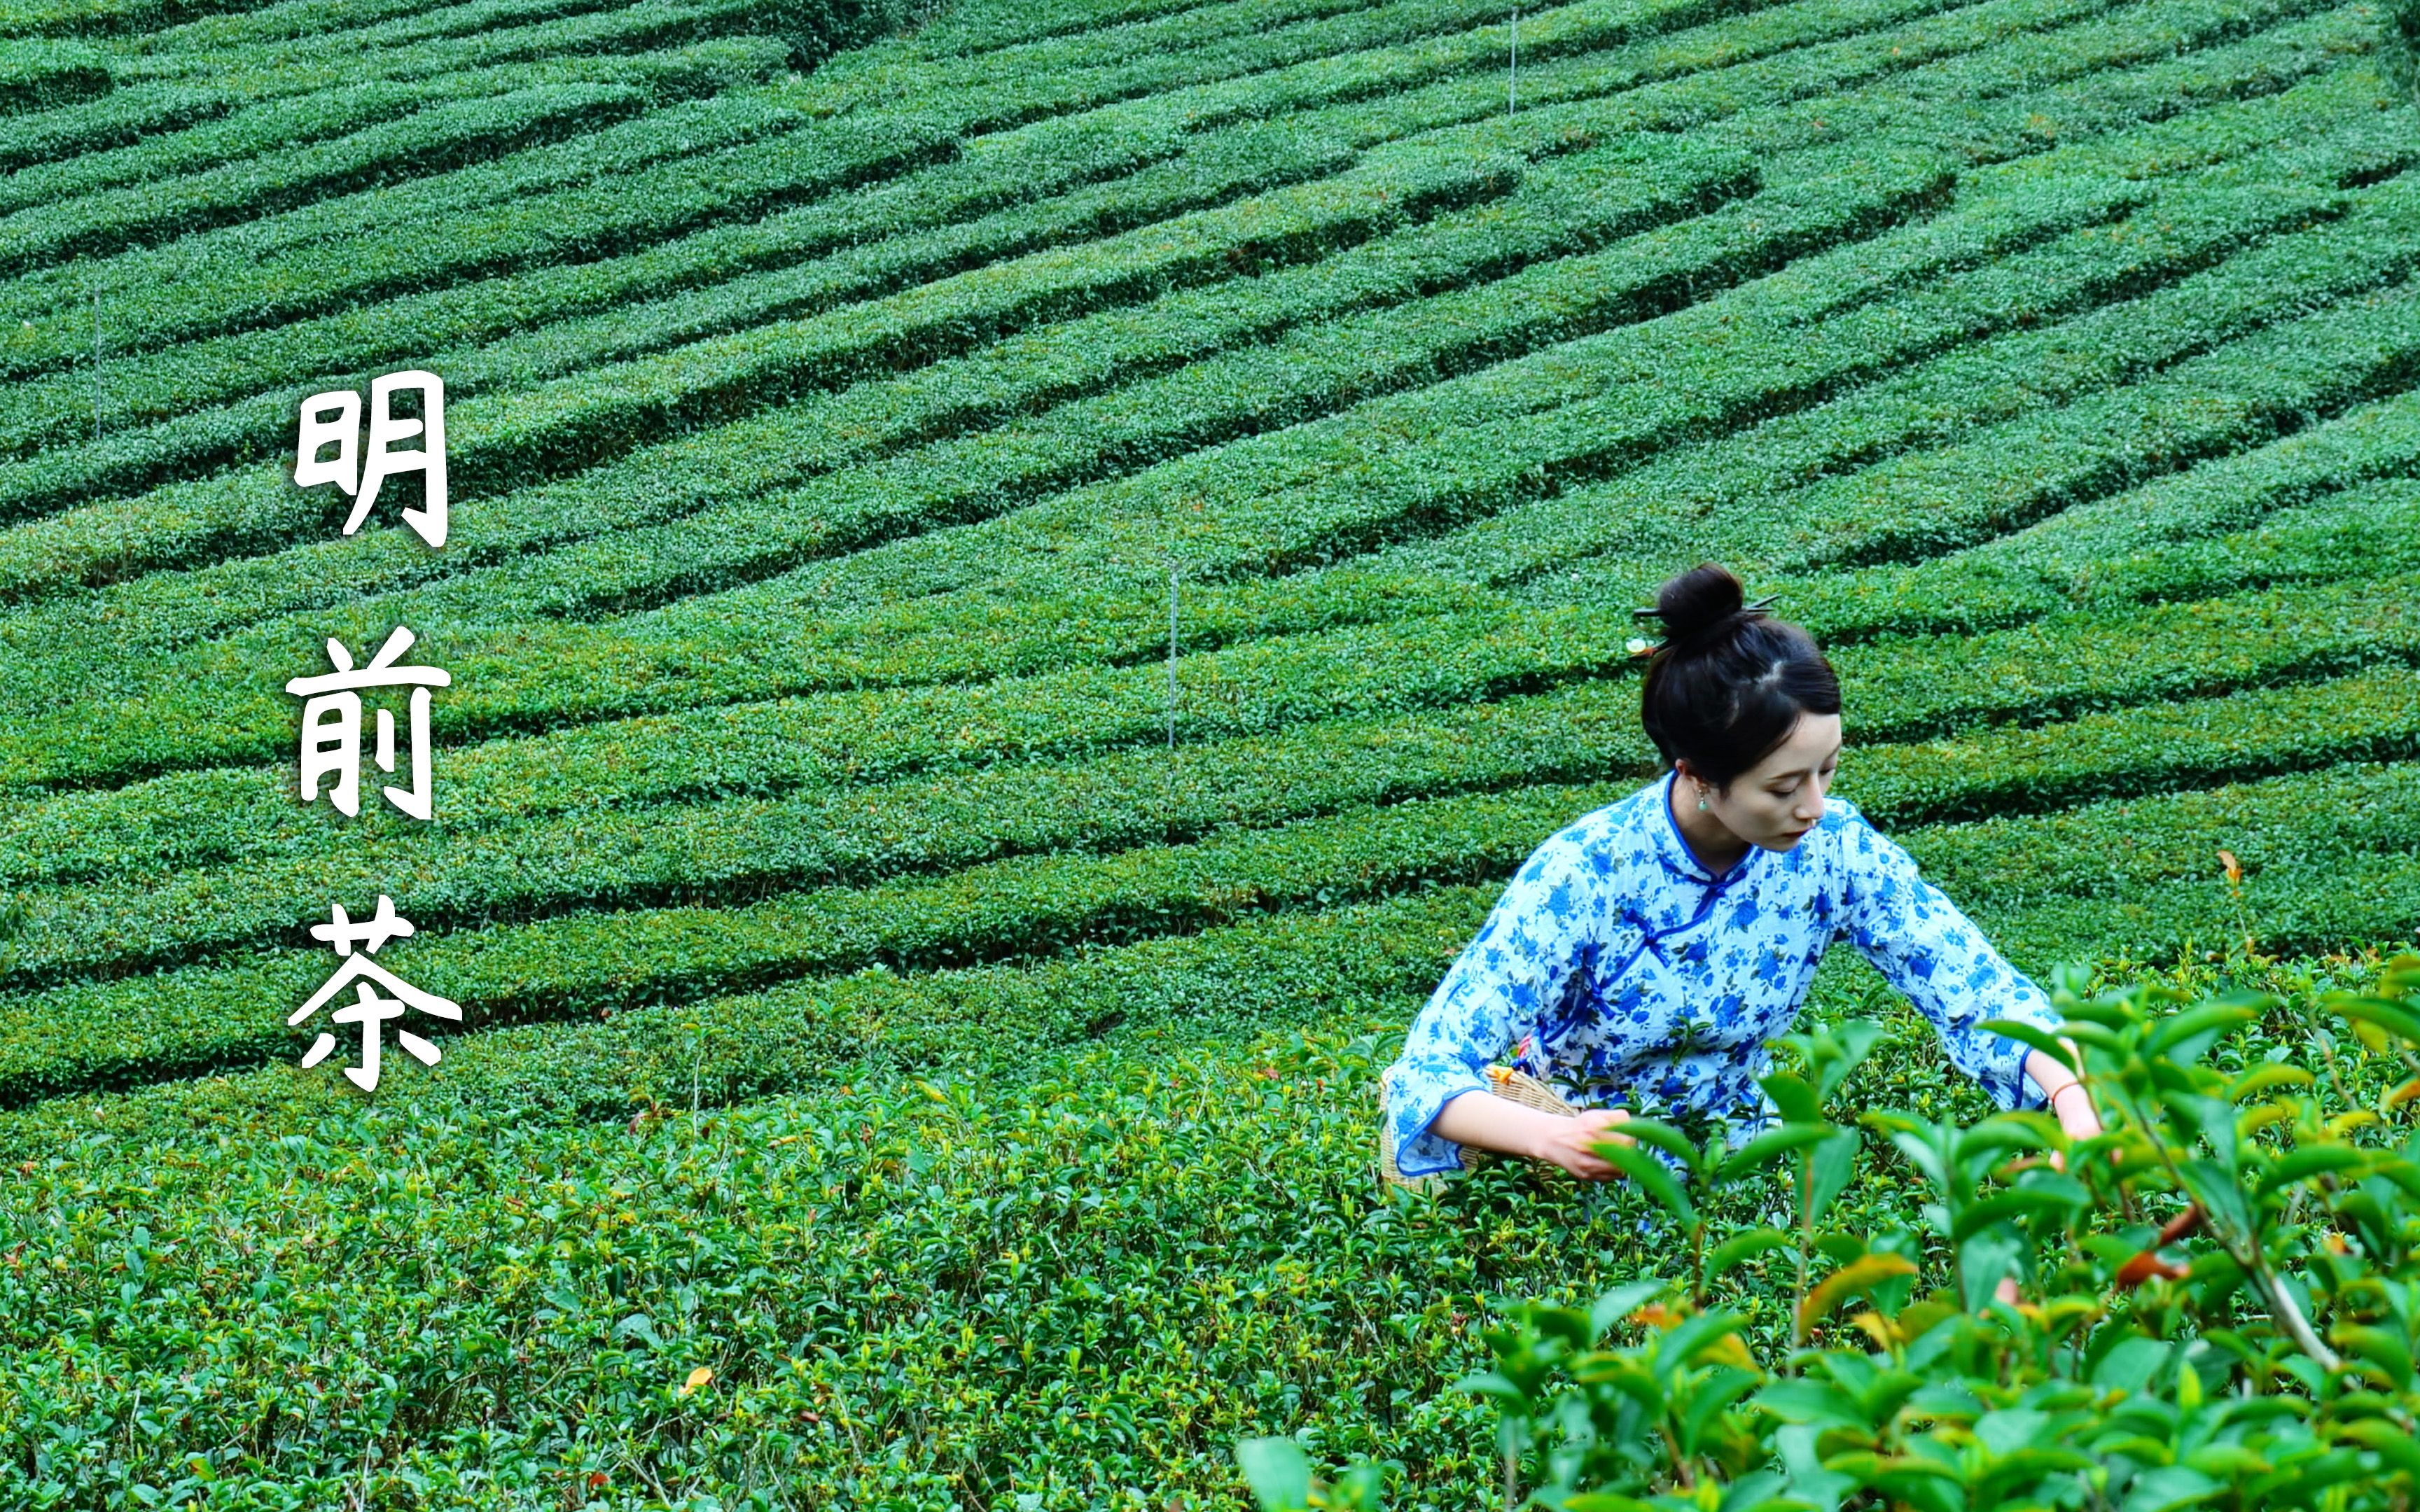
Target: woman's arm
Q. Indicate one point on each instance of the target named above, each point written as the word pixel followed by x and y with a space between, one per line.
pixel 1941 963
pixel 1493 1122
pixel 2070 1101
pixel 1495 991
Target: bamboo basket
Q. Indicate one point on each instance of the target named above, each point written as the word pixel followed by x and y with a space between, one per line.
pixel 1506 1082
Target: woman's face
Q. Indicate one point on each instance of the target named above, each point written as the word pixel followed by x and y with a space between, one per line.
pixel 1775 803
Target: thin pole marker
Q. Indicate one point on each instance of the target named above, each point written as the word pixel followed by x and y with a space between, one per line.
pixel 95 361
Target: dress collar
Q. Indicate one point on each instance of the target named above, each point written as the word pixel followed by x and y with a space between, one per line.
pixel 1672 848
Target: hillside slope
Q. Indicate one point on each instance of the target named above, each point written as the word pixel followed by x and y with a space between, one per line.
pixel 1084 520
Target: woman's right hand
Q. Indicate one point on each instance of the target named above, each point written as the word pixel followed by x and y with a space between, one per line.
pixel 1570 1144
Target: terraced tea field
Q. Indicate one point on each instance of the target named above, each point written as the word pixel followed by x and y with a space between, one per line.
pixel 1013 598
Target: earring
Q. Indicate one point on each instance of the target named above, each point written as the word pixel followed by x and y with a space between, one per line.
pixel 1701 805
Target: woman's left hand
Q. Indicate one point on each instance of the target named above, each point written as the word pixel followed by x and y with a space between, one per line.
pixel 2073 1104
pixel 2070 1102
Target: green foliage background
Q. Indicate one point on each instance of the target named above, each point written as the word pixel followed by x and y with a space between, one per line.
pixel 894 983
pixel 2402 56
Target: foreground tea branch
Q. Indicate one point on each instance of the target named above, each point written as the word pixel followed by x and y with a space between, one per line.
pixel 2218 1297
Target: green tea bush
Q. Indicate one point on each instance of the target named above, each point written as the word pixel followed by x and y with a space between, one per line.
pixel 936 1271
pixel 2399 23
pixel 120 118
pixel 816 29
pixel 39 75
pixel 316 121
pixel 2215 1301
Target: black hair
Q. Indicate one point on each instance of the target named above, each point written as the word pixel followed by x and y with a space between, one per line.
pixel 1728 682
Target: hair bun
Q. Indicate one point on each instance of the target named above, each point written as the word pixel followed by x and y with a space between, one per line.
pixel 1698 602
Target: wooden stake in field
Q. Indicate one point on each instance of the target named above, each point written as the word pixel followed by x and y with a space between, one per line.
pixel 1172 657
pixel 95 361
pixel 1512 72
pixel 1167 771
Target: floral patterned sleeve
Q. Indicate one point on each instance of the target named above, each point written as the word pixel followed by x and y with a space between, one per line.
pixel 1940 961
pixel 1495 992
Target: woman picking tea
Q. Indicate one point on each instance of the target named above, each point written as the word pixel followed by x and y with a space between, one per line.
pixel 1645 953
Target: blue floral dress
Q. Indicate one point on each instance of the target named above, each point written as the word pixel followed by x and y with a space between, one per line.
pixel 1629 972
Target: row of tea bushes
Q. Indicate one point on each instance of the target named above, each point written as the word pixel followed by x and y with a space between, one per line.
pixel 1857 351
pixel 165 24
pixel 472 38
pixel 258 506
pixel 128 460
pixel 469 40
pixel 352 25
pixel 120 118
pixel 1057 875
pixel 961 31
pixel 314 145
pixel 38 76
pixel 1406 659
pixel 624 188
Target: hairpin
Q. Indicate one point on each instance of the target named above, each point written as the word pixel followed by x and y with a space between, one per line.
pixel 1640 648
pixel 1761 604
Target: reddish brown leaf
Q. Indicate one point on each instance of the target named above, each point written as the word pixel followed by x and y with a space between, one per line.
pixel 2146 1265
pixel 2187 1222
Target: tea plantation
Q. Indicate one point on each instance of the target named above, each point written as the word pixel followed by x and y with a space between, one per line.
pixel 1021 574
